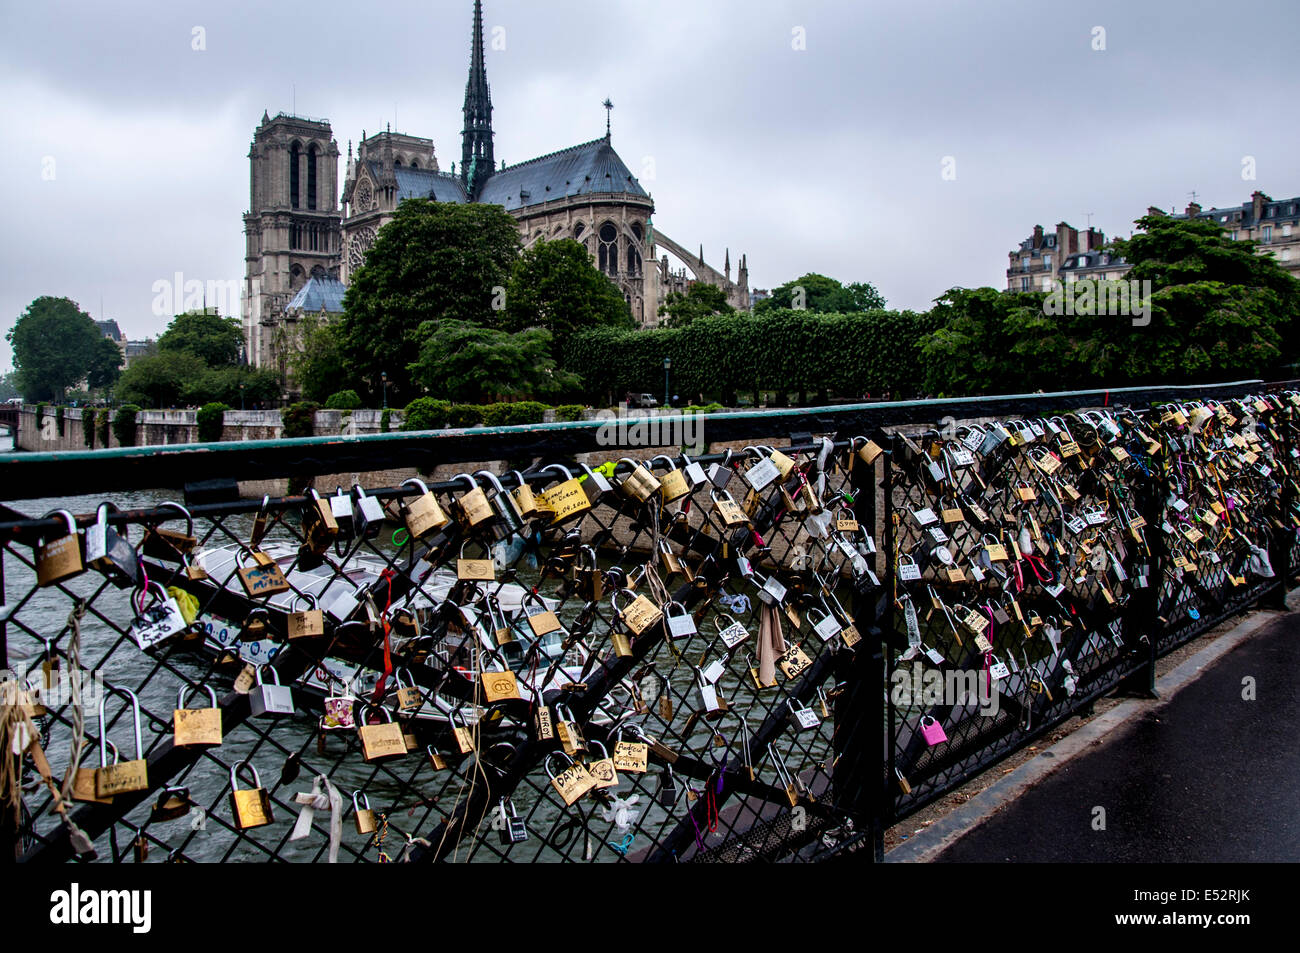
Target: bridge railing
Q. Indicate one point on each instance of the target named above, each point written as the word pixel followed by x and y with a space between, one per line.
pixel 616 666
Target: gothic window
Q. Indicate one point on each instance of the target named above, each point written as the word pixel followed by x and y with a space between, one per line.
pixel 398 162
pixel 633 260
pixel 579 229
pixel 294 152
pixel 294 237
pixel 318 271
pixel 296 277
pixel 636 230
pixel 415 163
pixel 311 176
pixel 607 257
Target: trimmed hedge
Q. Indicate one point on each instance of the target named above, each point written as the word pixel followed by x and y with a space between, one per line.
pixel 425 413
pixel 124 424
pixel 518 412
pixel 385 420
pixel 464 415
pixel 566 412
pixel 212 420
pixel 300 419
pixel 343 400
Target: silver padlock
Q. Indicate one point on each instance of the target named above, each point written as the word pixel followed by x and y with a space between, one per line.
pixel 109 552
pixel 998 670
pixel 827 627
pixel 370 514
pixel 270 701
pixel 341 508
pixel 708 692
pixel 694 472
pixel 342 603
pixel 719 475
pixel 511 828
pixel 803 717
pixel 761 474
pixel 772 592
pixel 681 624
pixel 733 633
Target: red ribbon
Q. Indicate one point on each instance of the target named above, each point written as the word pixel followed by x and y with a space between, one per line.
pixel 387 576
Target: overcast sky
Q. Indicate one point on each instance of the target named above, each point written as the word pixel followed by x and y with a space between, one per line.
pixel 125 153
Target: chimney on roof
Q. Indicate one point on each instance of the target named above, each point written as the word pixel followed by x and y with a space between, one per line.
pixel 1193 210
pixel 1152 210
pixel 1038 236
pixel 1257 200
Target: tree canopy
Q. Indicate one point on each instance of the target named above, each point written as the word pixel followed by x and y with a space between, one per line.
pixel 554 285
pixel 434 261
pixel 701 300
pixel 55 346
pixel 211 338
pixel 814 292
pixel 461 361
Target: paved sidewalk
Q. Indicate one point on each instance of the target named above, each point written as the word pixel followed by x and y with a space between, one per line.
pixel 1205 777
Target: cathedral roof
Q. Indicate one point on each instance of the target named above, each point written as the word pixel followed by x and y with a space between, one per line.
pixel 319 294
pixel 422 183
pixel 578 170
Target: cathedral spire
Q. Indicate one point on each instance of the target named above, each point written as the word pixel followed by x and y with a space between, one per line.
pixel 477 161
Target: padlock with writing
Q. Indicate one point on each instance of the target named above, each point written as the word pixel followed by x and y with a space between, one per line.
pixel 460 731
pixel 270 700
pixel 422 513
pixel 639 615
pixel 603 768
pixel 574 780
pixel 319 528
pixel 121 777
pixel 196 726
pixel 159 620
pixel 638 483
pixel 306 623
pixel 732 633
pixel 569 731
pixel 674 483
pixel 262 576
pixel 383 741
pixel 802 716
pixel 631 756
pixel 511 828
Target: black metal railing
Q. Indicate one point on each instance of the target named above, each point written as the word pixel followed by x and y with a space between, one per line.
pixel 629 606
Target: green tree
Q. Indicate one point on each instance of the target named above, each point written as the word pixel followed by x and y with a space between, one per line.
pixel 319 365
pixel 701 300
pixel 973 349
pixel 461 361
pixel 9 386
pixel 54 344
pixel 238 385
pixel 553 285
pixel 1218 307
pixel 105 364
pixel 160 380
pixel 433 262
pixel 208 336
pixel 814 292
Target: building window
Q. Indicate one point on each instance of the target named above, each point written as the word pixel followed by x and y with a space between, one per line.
pixel 633 260
pixel 1286 254
pixel 294 153
pixel 1286 231
pixel 1047 261
pixel 1024 284
pixel 607 256
pixel 578 230
pixel 1268 234
pixel 311 176
pixel 1024 263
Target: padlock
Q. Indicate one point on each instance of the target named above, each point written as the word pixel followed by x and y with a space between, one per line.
pixel 710 698
pixel 573 782
pixel 273 700
pixel 827 627
pixel 59 557
pixel 639 615
pixel 509 520
pixel 732 633
pixel 460 731
pixel 569 731
pixel 595 485
pixel 908 570
pixel 498 685
pixel 305 623
pixel 932 731
pixel 524 497
pixel 363 818
pixel 83 781
pixel 339 710
pixel 170 545
pixel 475 570
pixel 263 578
pixel 566 499
pixel 436 760
pixel 511 828
pixel 341 510
pixel 409 698
pixel 369 519
pixel 772 592
pixel 250 807
pixel 802 716
pixel 727 510
pixel 381 742
pixel 674 483
pixel 319 528
pixel 762 474
pixel 120 777
pixel 543 621
pixel 631 756
pixel 159 620
pixel 603 768
pixel 639 483
pixel 109 552
pixel 667 793
pixel 422 514
pixel 588 578
pixel 196 726
pixel 256 626
pixel 543 723
pixel 681 624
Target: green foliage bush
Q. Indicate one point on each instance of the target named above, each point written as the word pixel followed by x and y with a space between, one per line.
pixel 570 412
pixel 424 413
pixel 124 424
pixel 300 419
pixel 518 412
pixel 88 427
pixel 343 400
pixel 58 417
pixel 385 420
pixel 211 419
pixel 101 423
pixel 464 415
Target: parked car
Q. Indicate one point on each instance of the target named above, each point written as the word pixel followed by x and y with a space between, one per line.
pixel 641 401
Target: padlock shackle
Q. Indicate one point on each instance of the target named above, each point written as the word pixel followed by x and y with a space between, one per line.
pixel 67 518
pixel 491 478
pixel 365 799
pixel 184 692
pixel 418 484
pixel 546 763
pixel 103 724
pixel 237 768
pixel 189 517
pixel 275 674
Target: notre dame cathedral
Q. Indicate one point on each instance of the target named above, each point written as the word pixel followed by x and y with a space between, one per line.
pixel 304 239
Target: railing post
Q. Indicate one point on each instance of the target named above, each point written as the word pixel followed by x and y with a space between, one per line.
pixel 1281 537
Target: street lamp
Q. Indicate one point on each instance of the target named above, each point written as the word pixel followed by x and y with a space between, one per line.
pixel 384 375
pixel 241 395
pixel 668 363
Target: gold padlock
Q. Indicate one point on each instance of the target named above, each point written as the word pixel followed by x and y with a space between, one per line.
pixel 460 732
pixel 121 777
pixel 603 769
pixel 573 782
pixel 640 484
pixel 59 557
pixel 474 508
pixel 565 499
pixel 196 726
pixel 250 807
pixel 499 686
pixel 319 527
pixel 363 817
pixel 305 623
pixel 423 515
pixel 381 742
